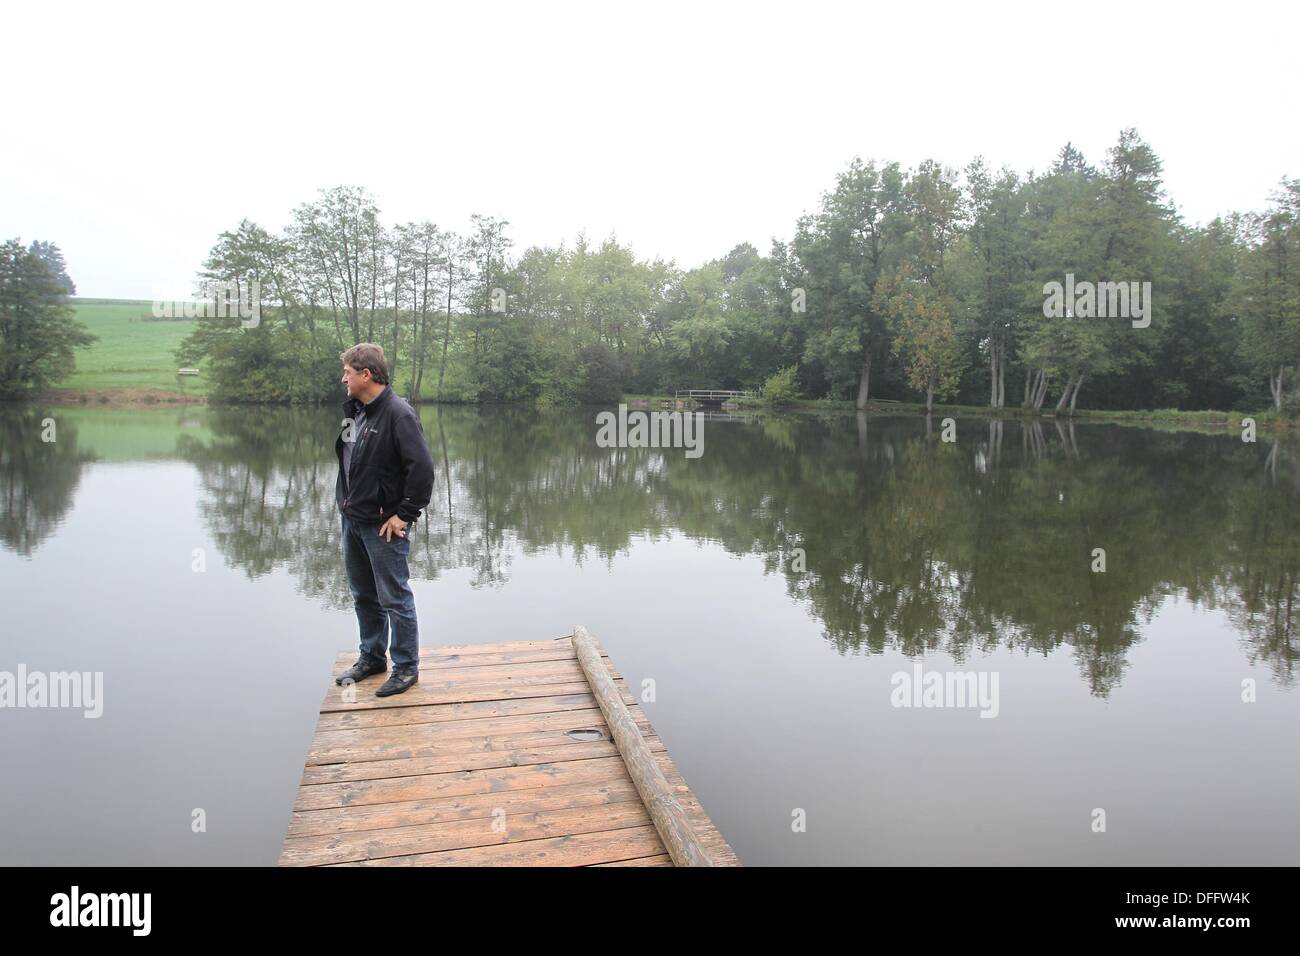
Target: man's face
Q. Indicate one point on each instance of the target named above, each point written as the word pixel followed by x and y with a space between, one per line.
pixel 356 382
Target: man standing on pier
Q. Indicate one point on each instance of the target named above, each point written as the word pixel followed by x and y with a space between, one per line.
pixel 385 480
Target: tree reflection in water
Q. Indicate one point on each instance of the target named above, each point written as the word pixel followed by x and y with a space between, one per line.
pixel 902 541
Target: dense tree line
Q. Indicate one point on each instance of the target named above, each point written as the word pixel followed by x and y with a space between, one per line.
pixel 923 284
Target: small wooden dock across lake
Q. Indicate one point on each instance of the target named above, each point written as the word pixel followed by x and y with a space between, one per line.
pixel 528 753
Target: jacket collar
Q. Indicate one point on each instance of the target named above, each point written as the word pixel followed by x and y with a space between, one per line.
pixel 350 405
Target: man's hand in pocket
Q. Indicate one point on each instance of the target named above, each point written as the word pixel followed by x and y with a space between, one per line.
pixel 393 526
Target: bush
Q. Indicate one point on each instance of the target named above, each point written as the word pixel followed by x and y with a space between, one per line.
pixel 781 388
pixel 603 375
pixel 268 363
pixel 561 378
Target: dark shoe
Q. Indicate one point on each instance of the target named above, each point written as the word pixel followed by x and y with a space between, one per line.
pixel 360 671
pixel 397 683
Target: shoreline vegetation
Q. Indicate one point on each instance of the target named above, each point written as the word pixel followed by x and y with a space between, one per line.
pixel 977 291
pixel 126 327
pixel 149 381
pixel 1202 420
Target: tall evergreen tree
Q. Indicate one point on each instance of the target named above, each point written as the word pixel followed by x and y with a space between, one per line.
pixel 39 334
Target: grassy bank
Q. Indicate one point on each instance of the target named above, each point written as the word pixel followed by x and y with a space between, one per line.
pixel 134 357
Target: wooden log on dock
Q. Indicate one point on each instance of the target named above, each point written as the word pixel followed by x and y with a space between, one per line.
pixel 669 817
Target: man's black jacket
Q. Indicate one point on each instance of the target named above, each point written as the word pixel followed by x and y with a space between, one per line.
pixel 391 470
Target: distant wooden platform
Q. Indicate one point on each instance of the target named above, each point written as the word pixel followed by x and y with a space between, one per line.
pixel 491 760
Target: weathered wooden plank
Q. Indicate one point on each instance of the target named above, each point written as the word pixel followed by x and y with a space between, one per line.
pixel 579 849
pixel 663 859
pixel 458 834
pixel 427 740
pixel 336 698
pixel 474 760
pixel 434 786
pixel 555 671
pixel 460 746
pixel 445 729
pixel 435 713
pixel 381 816
pixel 466 674
pixel 423 694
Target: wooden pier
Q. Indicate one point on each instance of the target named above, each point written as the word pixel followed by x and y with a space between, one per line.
pixel 528 753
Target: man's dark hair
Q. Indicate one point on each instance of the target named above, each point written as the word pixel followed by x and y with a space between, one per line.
pixel 367 355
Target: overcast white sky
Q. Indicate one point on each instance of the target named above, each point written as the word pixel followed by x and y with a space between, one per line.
pixel 134 133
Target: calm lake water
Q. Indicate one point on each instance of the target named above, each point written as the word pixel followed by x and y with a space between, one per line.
pixel 771 588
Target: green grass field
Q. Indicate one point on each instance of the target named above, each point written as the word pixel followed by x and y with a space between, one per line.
pixel 133 351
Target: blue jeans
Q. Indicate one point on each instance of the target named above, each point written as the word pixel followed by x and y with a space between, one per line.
pixel 379 578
